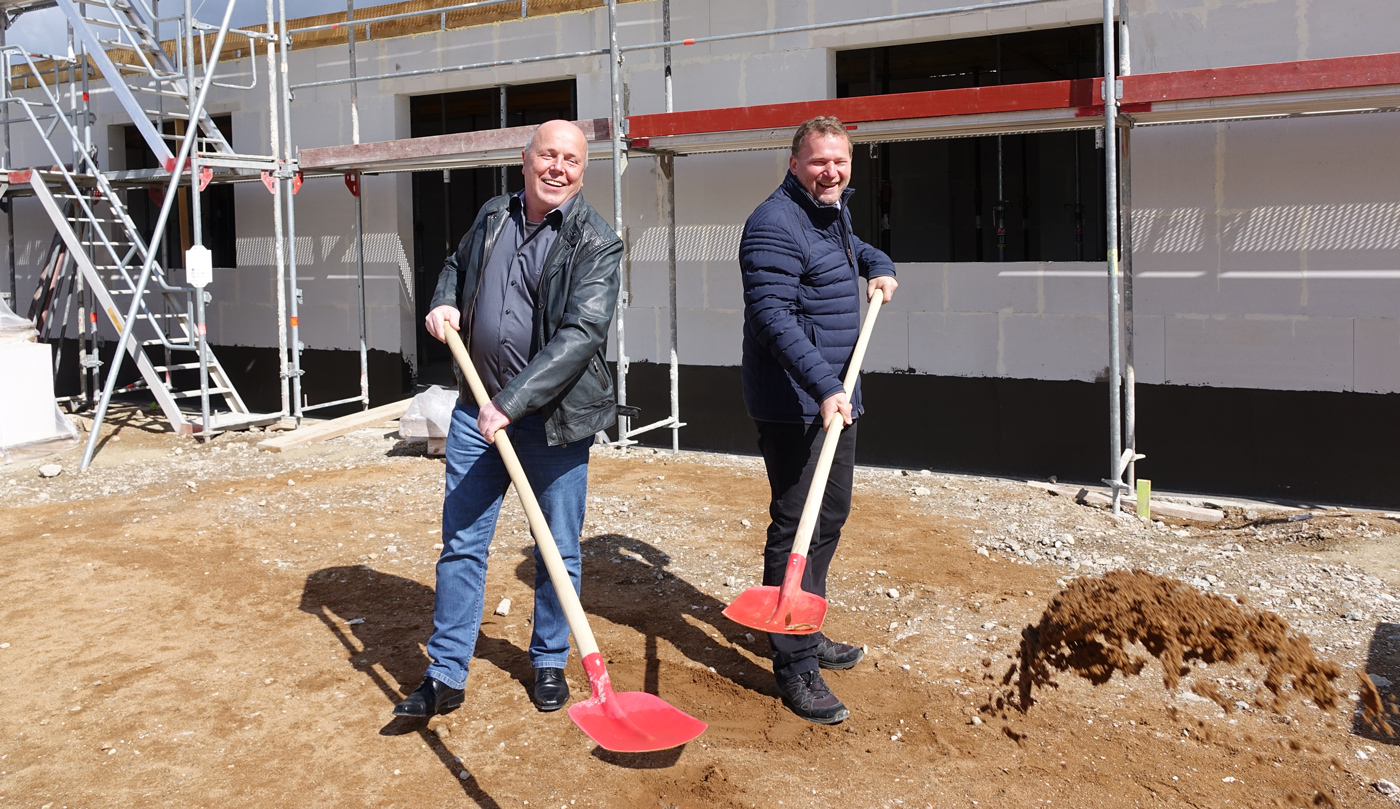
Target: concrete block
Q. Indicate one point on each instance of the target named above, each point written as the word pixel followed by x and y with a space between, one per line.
pixel 724 285
pixel 1073 347
pixel 648 283
pixel 711 336
pixel 725 188
pixel 973 24
pixel 1377 353
pixel 1074 288
pixel 717 83
pixel 889 343
pixel 992 287
pixel 1279 353
pixel 1149 348
pixel 920 287
pixel 643 343
pixel 1006 20
pixel 785 75
pixel 27 410
pixel 1353 292
pixel 1045 15
pixel 953 344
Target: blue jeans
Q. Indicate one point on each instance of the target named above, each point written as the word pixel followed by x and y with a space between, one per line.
pixel 476 482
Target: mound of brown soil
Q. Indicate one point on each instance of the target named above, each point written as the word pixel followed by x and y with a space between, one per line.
pixel 1091 626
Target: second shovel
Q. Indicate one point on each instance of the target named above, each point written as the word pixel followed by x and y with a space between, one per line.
pixel 790 610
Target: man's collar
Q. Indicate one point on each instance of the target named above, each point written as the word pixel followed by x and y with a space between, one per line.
pixel 517 203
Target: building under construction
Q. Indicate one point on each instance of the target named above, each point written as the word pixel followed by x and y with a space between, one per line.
pixel 1142 238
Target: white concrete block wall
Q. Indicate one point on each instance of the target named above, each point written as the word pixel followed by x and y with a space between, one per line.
pixel 1267 253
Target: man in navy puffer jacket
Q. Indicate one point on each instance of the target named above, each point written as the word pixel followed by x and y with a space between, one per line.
pixel 801 268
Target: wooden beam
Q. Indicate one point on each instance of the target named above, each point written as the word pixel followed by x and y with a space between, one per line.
pixel 326 430
pixel 509 142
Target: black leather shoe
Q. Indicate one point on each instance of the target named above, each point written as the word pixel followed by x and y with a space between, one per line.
pixel 839 656
pixel 551 690
pixel 807 696
pixel 432 697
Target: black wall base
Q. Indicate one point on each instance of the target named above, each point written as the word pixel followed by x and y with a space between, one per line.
pixel 327 375
pixel 1288 445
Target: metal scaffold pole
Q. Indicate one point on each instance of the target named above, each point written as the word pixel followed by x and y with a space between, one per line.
pixel 668 167
pixel 5 91
pixel 359 193
pixel 1110 152
pixel 196 233
pixel 278 243
pixel 615 78
pixel 1125 158
pixel 290 181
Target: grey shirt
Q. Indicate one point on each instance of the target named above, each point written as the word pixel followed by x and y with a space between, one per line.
pixel 504 334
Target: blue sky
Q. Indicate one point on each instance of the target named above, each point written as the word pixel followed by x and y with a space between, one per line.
pixel 45 31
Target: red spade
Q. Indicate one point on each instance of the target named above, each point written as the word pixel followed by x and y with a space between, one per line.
pixel 628 722
pixel 790 610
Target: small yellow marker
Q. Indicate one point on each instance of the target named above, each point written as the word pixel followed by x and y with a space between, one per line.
pixel 1144 498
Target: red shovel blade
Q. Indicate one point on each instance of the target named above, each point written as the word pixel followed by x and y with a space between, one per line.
pixel 631 721
pixel 759 608
pixel 786 610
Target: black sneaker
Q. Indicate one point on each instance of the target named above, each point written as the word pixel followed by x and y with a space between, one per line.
pixel 807 696
pixel 839 656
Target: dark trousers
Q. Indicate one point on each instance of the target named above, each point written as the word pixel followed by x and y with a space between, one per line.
pixel 790 452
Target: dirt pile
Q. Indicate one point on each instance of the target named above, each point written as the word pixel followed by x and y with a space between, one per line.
pixel 1091 627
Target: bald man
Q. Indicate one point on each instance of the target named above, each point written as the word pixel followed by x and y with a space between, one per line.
pixel 537 276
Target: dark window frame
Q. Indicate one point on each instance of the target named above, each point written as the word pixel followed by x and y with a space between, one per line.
pixel 938 200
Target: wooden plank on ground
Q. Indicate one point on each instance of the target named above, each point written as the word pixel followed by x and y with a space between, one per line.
pixel 1159 507
pixel 335 428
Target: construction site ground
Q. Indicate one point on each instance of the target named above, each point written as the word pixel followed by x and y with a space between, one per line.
pixel 212 625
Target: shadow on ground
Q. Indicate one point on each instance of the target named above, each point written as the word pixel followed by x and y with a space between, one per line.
pixel 402 608
pixel 1383 667
pixel 625 581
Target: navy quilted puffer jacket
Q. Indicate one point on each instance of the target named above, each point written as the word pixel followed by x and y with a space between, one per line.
pixel 801 268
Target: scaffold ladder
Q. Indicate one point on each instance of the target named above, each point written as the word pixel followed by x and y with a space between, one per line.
pixel 167 323
pixel 152 77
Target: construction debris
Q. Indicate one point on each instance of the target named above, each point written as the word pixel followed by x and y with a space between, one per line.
pixel 1162 508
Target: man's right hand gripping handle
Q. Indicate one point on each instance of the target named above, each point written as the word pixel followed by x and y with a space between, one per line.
pixel 435 318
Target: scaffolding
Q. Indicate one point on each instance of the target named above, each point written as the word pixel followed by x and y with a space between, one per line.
pixel 1351 85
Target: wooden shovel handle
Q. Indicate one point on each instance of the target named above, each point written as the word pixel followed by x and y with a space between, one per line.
pixel 544 540
pixel 807 524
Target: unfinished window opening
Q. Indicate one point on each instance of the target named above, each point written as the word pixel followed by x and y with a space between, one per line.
pixel 216 204
pixel 445 202
pixel 1026 197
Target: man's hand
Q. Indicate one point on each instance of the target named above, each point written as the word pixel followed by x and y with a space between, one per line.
pixel 489 420
pixel 834 405
pixel 435 318
pixel 885 283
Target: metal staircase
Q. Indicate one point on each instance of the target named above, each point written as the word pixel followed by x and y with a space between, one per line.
pixel 106 248
pixel 159 324
pixel 152 78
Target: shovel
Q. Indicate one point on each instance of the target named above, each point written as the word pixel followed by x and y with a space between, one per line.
pixel 790 610
pixel 627 722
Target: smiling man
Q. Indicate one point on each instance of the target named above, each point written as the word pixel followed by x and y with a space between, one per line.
pixel 537 276
pixel 801 267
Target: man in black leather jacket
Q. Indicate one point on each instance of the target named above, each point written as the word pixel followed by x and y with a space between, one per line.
pixel 537 278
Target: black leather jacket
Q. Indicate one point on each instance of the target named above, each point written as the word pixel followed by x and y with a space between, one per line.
pixel 568 380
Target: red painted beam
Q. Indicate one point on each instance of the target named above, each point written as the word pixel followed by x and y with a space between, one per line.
pixel 897 106
pixel 1280 77
pixel 1139 92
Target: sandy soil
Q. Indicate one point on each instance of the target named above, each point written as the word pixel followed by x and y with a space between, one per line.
pixel 216 626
